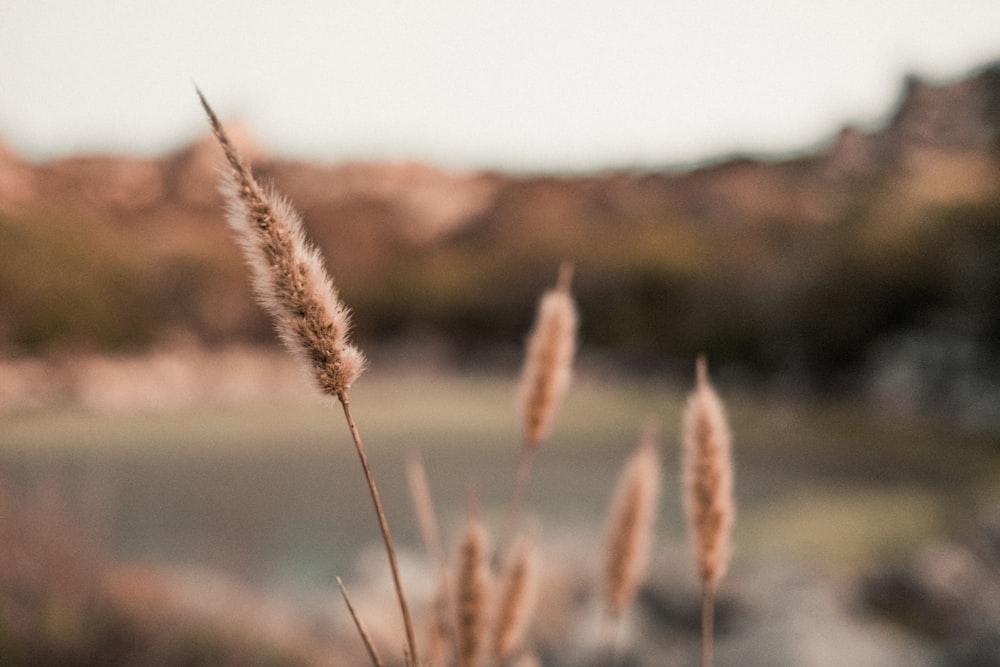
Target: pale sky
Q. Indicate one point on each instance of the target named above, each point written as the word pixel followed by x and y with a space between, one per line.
pixel 514 84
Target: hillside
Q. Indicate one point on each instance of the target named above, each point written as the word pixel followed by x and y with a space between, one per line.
pixel 873 254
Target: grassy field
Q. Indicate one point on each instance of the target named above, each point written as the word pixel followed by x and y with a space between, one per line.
pixel 274 493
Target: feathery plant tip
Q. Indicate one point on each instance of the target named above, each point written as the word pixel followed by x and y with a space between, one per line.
pixel 517 596
pixel 289 276
pixel 545 377
pixel 630 521
pixel 708 494
pixel 548 361
pixel 708 477
pixel 473 584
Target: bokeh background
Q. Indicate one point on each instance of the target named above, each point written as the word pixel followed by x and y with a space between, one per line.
pixel 808 195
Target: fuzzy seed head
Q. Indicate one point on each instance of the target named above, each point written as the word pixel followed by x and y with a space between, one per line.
pixel 708 478
pixel 630 525
pixel 288 274
pixel 547 369
pixel 516 600
pixel 472 577
pixel 439 647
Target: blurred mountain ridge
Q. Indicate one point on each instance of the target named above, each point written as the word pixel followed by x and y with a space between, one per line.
pixel 937 130
pixel 800 264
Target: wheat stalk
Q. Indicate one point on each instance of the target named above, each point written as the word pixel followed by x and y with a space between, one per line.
pixel 441 635
pixel 423 507
pixel 362 630
pixel 630 524
pixel 289 277
pixel 472 583
pixel 516 599
pixel 292 284
pixel 708 492
pixel 440 628
pixel 545 377
pixel 547 369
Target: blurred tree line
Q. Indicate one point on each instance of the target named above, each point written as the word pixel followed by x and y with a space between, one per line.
pixel 772 296
pixel 876 253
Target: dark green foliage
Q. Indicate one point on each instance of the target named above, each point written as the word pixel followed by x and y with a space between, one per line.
pixel 770 296
pixel 62 285
pixel 71 284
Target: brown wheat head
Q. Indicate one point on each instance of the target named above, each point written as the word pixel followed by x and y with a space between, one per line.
pixel 708 478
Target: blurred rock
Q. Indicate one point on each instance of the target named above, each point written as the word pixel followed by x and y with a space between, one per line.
pixel 949 592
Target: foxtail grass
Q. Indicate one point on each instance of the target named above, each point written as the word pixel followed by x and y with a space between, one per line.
pixel 294 287
pixel 545 377
pixel 441 638
pixel 516 598
pixel 288 275
pixel 472 592
pixel 473 624
pixel 629 530
pixel 708 493
pixel 439 647
pixel 547 369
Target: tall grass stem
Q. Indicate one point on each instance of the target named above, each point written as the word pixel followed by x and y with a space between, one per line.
pixel 521 482
pixel 545 377
pixel 362 630
pixel 707 625
pixel 384 527
pixel 708 492
pixel 472 583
